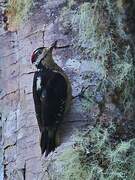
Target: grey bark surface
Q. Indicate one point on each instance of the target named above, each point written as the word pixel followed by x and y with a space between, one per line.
pixel 22 155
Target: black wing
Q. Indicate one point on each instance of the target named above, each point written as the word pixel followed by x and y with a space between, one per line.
pixel 53 100
pixel 54 97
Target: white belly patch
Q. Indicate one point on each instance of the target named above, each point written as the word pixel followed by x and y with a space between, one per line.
pixel 38 83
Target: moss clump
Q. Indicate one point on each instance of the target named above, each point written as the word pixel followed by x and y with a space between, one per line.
pixel 72 168
pixel 96 156
pixel 99 34
pixel 102 37
pixel 17 11
pixel 83 20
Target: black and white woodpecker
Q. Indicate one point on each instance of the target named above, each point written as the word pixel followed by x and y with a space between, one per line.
pixel 52 95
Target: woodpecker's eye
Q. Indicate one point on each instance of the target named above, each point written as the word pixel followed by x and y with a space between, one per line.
pixel 36 53
pixel 39 52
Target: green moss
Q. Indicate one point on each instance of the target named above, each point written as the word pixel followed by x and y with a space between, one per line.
pixel 17 11
pixel 98 33
pixel 83 18
pixel 71 3
pixel 101 34
pixel 94 156
pixel 72 166
pixel 90 24
pixel 98 30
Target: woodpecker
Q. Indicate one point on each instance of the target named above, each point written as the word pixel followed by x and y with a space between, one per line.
pixel 52 95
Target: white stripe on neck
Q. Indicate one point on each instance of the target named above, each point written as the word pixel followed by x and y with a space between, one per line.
pixel 38 83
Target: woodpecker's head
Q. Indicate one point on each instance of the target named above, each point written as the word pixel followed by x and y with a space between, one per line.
pixel 38 55
pixel 43 55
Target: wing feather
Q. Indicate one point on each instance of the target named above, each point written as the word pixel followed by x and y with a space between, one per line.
pixel 53 104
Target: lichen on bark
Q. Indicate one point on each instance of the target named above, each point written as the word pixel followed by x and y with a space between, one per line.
pixel 17 11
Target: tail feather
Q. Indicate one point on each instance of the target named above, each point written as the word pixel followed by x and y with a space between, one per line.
pixel 47 142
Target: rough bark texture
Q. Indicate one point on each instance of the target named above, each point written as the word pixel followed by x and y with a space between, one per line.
pixel 47 21
pixel 22 155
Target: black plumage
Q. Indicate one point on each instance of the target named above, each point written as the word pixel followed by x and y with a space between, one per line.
pixel 52 95
pixel 50 101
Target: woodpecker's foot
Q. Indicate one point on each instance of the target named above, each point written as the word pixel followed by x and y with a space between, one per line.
pixel 78 95
pixel 81 94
